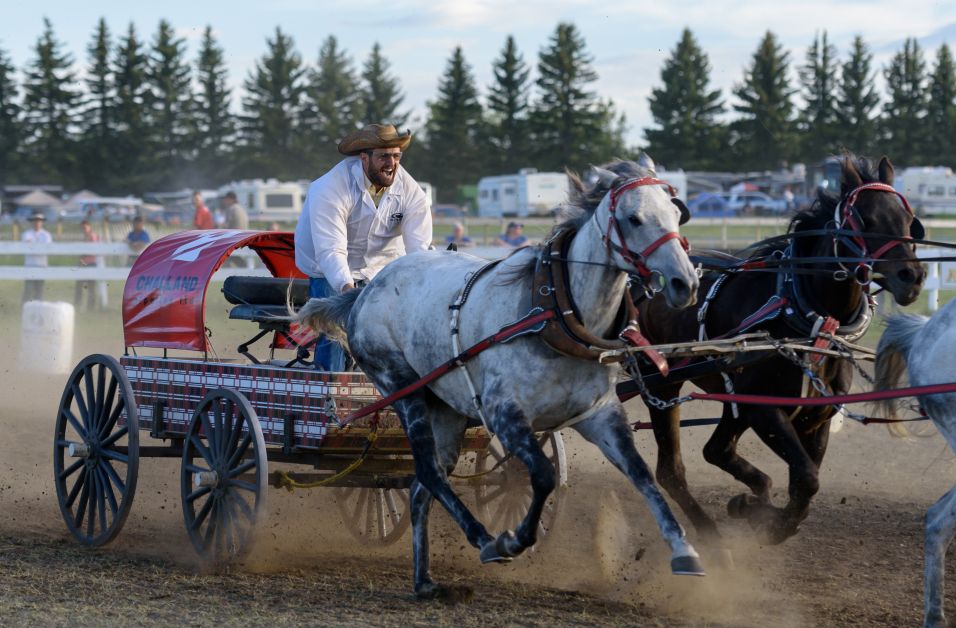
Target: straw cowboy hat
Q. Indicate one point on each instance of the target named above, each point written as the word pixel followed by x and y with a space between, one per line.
pixel 374 136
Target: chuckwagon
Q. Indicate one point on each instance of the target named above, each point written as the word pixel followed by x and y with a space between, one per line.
pixel 239 424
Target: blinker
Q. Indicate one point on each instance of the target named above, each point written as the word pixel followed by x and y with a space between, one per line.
pixel 684 212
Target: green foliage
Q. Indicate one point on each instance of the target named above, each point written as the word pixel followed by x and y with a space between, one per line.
pixel 941 110
pixel 97 111
pixel 857 100
pixel 904 113
pixel 571 127
pixel 214 125
pixel 169 79
pixel 381 93
pixel 333 106
pixel 49 101
pixel 130 121
pixel 272 108
pixel 764 131
pixel 685 110
pixel 10 122
pixel 454 130
pixel 818 122
pixel 507 100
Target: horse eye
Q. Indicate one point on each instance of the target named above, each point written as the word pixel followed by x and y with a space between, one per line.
pixel 634 220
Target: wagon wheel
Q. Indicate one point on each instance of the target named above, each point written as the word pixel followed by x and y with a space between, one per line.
pixel 377 516
pixel 96 450
pixel 503 495
pixel 224 476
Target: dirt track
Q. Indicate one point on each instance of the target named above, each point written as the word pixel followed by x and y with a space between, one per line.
pixel 857 559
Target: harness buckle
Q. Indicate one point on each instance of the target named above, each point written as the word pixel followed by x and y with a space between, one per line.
pixel 840 275
pixel 546 291
pixel 862 274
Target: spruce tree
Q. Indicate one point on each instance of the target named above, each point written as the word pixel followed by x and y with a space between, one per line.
pixel 272 109
pixel 131 145
pixel 857 100
pixel 818 120
pixel 508 111
pixel 567 122
pixel 764 130
pixel 381 93
pixel 334 105
pixel 454 130
pixel 941 110
pixel 49 104
pixel 685 111
pixel 169 80
pixel 10 122
pixel 213 123
pixel 904 113
pixel 98 111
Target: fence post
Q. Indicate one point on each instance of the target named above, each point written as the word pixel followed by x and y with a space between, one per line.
pixel 723 235
pixel 934 280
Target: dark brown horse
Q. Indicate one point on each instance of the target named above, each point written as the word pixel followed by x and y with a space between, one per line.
pixel 866 204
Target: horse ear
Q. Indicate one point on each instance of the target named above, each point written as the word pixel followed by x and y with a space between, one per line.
pixel 851 177
pixel 603 175
pixel 886 170
pixel 644 161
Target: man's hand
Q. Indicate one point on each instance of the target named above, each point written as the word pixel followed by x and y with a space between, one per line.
pixel 348 286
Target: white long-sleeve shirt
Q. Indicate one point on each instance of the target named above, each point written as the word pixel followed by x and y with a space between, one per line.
pixel 40 237
pixel 344 237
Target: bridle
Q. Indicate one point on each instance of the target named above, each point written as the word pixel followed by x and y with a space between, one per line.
pixel 846 216
pixel 635 259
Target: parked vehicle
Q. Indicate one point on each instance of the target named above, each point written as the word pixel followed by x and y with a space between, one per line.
pixel 105 209
pixel 268 199
pixel 753 202
pixel 710 205
pixel 526 193
pixel 929 190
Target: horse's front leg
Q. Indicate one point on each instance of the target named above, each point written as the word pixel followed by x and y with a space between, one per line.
pixel 671 474
pixel 774 428
pixel 518 439
pixel 609 431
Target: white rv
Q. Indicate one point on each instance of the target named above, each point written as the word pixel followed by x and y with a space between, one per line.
pixel 677 178
pixel 526 193
pixel 929 190
pixel 267 199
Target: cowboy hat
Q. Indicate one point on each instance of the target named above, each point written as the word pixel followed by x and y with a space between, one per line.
pixel 37 216
pixel 374 136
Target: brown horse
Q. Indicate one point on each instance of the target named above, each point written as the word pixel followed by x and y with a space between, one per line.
pixel 794 304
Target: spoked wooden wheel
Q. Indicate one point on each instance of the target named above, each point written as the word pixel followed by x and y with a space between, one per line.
pixel 96 450
pixel 377 516
pixel 224 476
pixel 503 495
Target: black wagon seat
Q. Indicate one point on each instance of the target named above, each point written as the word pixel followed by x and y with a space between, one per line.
pixel 262 300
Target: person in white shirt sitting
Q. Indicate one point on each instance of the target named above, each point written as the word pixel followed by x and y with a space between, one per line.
pixel 362 214
pixel 33 288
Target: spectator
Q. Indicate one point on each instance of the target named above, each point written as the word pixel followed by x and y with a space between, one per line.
pixel 789 198
pixel 87 261
pixel 33 288
pixel 458 237
pixel 203 217
pixel 275 226
pixel 513 236
pixel 236 216
pixel 137 239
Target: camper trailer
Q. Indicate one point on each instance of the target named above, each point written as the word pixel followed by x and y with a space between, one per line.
pixel 526 193
pixel 929 190
pixel 267 199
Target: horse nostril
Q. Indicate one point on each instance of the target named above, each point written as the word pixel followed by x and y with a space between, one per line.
pixel 679 286
pixel 907 275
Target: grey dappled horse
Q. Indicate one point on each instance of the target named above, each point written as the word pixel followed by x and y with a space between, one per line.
pixel 398 329
pixel 924 347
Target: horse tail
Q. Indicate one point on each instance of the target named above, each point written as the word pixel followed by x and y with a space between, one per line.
pixel 330 315
pixel 901 331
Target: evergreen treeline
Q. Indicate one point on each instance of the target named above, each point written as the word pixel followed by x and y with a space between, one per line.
pixel 137 115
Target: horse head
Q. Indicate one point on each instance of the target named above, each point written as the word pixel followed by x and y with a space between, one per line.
pixel 639 216
pixel 870 205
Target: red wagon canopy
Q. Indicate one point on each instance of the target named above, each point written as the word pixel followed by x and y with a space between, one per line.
pixel 164 301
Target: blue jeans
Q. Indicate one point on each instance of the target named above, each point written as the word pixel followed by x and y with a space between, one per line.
pixel 329 355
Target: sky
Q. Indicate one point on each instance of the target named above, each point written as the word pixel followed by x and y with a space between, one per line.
pixel 628 39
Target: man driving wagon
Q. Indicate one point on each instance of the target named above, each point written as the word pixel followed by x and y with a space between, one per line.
pixel 359 216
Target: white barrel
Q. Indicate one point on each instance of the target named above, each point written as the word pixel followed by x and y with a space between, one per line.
pixel 46 337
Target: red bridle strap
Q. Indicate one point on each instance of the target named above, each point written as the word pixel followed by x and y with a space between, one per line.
pixel 635 259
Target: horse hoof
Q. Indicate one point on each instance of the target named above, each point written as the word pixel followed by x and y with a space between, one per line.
pixel 445 593
pixel 498 551
pixel 739 506
pixel 687 566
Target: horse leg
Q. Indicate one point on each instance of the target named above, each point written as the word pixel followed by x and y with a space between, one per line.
pixel 774 428
pixel 671 474
pixel 721 451
pixel 448 447
pixel 940 528
pixel 518 439
pixel 609 431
